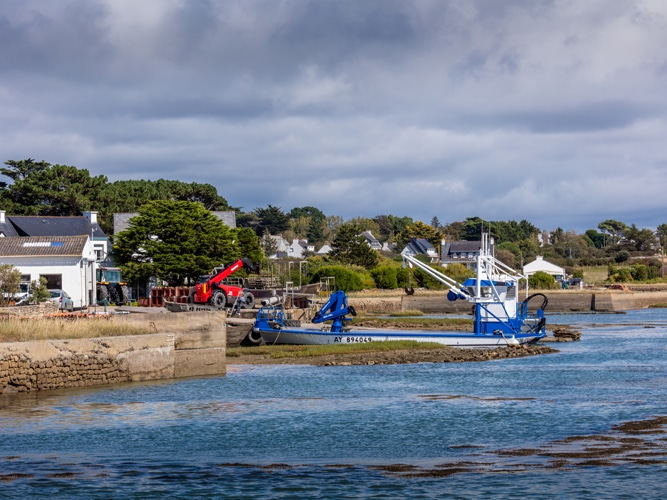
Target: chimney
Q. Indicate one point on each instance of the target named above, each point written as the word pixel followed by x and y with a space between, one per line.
pixel 2 217
pixel 91 216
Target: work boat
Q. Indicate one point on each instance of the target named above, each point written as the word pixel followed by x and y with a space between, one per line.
pixel 500 317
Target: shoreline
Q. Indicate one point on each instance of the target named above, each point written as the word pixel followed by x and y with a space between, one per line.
pixel 444 354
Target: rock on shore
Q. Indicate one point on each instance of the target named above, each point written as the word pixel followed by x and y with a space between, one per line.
pixel 403 356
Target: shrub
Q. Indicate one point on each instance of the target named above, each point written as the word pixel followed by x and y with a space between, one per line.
pixel 639 272
pixel 459 272
pixel 542 281
pixel 347 279
pixel 622 256
pixel 386 277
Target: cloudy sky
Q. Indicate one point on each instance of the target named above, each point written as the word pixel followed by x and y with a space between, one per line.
pixel 553 111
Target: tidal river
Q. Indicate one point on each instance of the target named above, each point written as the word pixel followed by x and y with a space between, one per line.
pixel 587 422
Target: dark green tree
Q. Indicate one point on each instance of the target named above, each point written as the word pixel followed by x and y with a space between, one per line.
pixel 350 247
pixel 249 245
pixel 614 231
pixel 661 233
pixel 640 240
pixel 271 218
pixel 315 233
pixel 472 229
pixel 269 245
pixel 128 196
pixel 597 238
pixel 175 241
pixel 312 212
pixel 40 188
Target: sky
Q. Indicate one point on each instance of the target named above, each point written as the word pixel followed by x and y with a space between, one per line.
pixel 550 111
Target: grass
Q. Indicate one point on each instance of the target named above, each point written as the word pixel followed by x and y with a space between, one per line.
pixel 22 330
pixel 595 274
pixel 309 351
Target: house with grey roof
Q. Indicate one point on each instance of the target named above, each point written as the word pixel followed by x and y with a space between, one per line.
pixel 40 225
pixel 65 262
pixel 372 241
pixel 299 248
pixel 421 246
pixel 66 251
pixel 460 252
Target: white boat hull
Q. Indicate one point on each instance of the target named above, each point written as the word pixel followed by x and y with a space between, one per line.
pixel 305 336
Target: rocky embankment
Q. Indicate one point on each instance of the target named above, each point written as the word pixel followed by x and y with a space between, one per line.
pixel 403 356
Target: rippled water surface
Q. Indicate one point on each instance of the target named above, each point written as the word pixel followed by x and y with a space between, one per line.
pixel 588 422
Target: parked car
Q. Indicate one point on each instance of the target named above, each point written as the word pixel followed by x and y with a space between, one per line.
pixel 65 302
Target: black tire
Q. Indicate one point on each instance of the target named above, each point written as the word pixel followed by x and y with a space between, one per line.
pixel 249 300
pixel 102 293
pixel 254 337
pixel 113 295
pixel 124 296
pixel 218 299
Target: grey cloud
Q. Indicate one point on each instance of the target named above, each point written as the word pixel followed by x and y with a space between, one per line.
pixel 517 109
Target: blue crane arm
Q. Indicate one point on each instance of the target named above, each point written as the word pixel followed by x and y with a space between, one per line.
pixel 336 310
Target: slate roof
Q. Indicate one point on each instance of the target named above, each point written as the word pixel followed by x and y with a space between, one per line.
pixel 7 229
pixel 421 246
pixel 38 246
pixel 372 240
pixel 52 226
pixel 462 247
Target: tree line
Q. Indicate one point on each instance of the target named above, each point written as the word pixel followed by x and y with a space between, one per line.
pixel 174 238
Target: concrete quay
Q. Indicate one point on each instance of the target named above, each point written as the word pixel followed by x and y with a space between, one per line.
pixel 183 345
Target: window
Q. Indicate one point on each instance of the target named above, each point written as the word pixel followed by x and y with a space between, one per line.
pixel 53 281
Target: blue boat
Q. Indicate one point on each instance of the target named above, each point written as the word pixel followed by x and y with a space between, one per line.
pixel 500 317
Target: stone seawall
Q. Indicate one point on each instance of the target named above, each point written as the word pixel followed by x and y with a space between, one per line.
pixel 559 301
pixel 183 345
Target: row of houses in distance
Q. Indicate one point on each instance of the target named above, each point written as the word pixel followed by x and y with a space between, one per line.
pixel 451 252
pixel 67 251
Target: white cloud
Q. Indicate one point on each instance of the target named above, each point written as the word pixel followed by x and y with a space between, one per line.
pixel 550 111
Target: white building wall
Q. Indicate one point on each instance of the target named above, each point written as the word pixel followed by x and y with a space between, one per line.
pixel 77 274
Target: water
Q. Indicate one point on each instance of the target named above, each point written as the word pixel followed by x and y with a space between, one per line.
pixel 540 427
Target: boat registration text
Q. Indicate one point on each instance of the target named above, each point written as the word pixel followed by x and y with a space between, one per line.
pixel 351 340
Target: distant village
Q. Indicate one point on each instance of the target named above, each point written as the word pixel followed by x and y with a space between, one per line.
pixel 69 251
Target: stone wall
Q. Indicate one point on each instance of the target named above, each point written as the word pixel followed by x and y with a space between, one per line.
pixel 183 345
pixel 32 311
pixel 559 301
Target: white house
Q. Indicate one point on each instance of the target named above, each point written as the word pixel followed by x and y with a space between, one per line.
pixel 372 241
pixel 325 249
pixel 539 264
pixel 66 262
pixel 299 248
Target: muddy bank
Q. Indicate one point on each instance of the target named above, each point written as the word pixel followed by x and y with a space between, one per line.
pixel 404 356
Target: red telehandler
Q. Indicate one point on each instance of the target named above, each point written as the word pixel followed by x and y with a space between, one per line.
pixel 211 288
